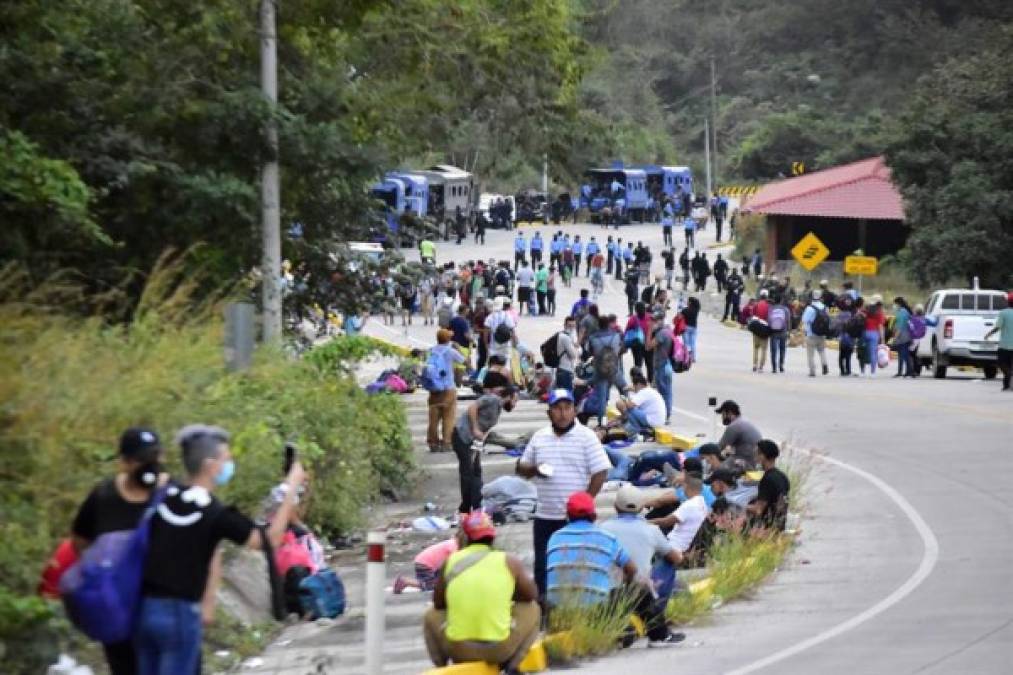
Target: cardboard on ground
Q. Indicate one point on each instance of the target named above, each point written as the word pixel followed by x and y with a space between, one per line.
pixel 810 252
pixel 861 265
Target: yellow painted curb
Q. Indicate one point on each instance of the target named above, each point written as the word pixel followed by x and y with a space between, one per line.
pixel 537 659
pixel 474 668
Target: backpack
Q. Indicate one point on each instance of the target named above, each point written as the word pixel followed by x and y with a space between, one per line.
pixel 916 326
pixel 550 351
pixel 821 323
pixel 292 553
pixel 322 595
pixel 856 325
pixel 502 333
pixel 434 371
pixel 633 335
pixel 293 578
pixel 777 318
pixel 606 363
pixel 680 358
pixel 647 295
pixel 102 591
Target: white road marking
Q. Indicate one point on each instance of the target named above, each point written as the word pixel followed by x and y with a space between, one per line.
pixel 690 414
pixel 400 334
pixel 928 562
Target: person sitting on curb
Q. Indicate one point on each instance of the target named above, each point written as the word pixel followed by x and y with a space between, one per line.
pixel 484 604
pixel 724 483
pixel 644 542
pixel 664 505
pixel 689 517
pixel 710 455
pixel 738 442
pixel 642 412
pixel 770 508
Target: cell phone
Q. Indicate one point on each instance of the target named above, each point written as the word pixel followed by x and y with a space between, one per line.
pixel 290 454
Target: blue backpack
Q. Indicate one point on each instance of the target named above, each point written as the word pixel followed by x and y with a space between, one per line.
pixel 434 371
pixel 102 591
pixel 322 595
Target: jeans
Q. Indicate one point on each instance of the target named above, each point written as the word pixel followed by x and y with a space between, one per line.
pixel 652 460
pixel 469 471
pixel 636 421
pixel 904 366
pixel 689 238
pixel 168 636
pixel 845 349
pixel 663 577
pixel 689 337
pixel 871 345
pixel 542 529
pixel 564 379
pixel 621 463
pixel 663 383
pixel 778 348
pixel 731 308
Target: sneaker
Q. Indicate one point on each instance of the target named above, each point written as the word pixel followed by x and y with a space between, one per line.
pixel 399 585
pixel 670 640
pixel 825 370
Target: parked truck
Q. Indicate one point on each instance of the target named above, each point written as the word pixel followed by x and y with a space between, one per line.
pixel 956 334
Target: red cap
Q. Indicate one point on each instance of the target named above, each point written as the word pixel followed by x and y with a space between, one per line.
pixel 478 525
pixel 579 505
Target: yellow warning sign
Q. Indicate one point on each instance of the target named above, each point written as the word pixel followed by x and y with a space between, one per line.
pixel 810 252
pixel 797 168
pixel 861 265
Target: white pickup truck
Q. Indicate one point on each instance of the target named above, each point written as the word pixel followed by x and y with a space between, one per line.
pixel 962 318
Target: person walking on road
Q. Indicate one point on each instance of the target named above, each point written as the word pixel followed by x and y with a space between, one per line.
pixel 779 321
pixel 619 259
pixel 520 249
pixel 474 425
pixel 902 337
pixel 667 220
pixel 760 311
pixel 427 251
pixel 525 283
pixel 691 315
pixel 1004 327
pixel 605 346
pixel 569 354
pixel 638 327
pixel 484 604
pixel 536 249
pixel 592 250
pixel 659 343
pixel 689 229
pixel 816 322
pixel 610 254
pixel 875 321
pixel 541 287
pixel 563 458
pixel 442 402
pixel 720 273
pixel 757 264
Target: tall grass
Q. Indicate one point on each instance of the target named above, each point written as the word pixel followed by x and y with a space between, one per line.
pixel 71 384
pixel 588 630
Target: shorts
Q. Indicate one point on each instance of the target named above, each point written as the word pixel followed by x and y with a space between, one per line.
pixel 426 577
pixel 523 294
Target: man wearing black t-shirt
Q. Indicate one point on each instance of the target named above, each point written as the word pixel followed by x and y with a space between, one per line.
pixel 117 504
pixel 770 508
pixel 185 532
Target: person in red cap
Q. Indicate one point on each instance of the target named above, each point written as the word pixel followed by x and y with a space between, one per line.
pixel 484 605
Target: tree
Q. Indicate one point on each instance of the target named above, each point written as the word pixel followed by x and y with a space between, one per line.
pixel 953 160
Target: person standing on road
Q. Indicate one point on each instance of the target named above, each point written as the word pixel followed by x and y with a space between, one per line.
pixel 628 256
pixel 520 249
pixel 691 315
pixel 556 251
pixel 816 322
pixel 667 220
pixel 184 535
pixel 610 252
pixel 592 251
pixel 760 311
pixel 632 295
pixel 733 290
pixel 536 249
pixel 659 344
pixel 442 404
pixel 525 282
pixel 689 230
pixel 484 605
pixel 875 320
pixel 427 251
pixel 720 273
pixel 1004 326
pixel 541 286
pixel 550 292
pixel 502 331
pixel 117 504
pixel 779 321
pixel 605 346
pixel 578 252
pixel 569 354
pixel 474 425
pixel 757 264
pixel 684 263
pixel 668 256
pixel 902 337
pixel 480 225
pixel 738 442
pixel 638 321
pixel 563 458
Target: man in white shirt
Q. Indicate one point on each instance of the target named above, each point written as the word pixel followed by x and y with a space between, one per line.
pixel 690 514
pixel 563 458
pixel 525 280
pixel 497 346
pixel 644 410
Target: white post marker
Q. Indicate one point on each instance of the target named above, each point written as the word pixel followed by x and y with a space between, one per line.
pixel 376 578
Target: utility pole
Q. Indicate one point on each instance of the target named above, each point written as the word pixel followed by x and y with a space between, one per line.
pixel 707 153
pixel 545 175
pixel 270 188
pixel 714 120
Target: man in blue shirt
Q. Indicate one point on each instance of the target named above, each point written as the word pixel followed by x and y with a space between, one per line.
pixel 578 250
pixel 520 248
pixel 556 250
pixel 610 252
pixel 592 251
pixel 536 249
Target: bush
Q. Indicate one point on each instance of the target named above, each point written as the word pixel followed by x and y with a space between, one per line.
pixel 72 384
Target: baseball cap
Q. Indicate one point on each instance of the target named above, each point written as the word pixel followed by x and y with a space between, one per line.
pixel 558 395
pixel 728 406
pixel 726 476
pixel 580 504
pixel 139 443
pixel 478 525
pixel 629 500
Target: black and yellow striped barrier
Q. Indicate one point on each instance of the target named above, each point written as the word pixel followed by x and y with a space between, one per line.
pixel 738 190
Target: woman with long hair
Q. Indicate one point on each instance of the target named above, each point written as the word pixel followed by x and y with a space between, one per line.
pixel 875 320
pixel 902 337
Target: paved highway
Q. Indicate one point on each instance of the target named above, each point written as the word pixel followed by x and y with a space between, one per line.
pixel 904 565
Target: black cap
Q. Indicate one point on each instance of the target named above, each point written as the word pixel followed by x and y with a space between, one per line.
pixel 728 406
pixel 726 476
pixel 140 443
pixel 709 449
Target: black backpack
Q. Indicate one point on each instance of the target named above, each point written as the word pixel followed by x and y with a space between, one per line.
pixel 856 325
pixel 550 351
pixel 294 577
pixel 606 363
pixel 821 323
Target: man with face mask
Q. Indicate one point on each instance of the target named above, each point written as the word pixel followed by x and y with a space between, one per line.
pixel 738 442
pixel 563 458
pixel 118 503
pixel 185 532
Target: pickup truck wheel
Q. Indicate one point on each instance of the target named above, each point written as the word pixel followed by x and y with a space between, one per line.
pixel 938 365
pixel 990 372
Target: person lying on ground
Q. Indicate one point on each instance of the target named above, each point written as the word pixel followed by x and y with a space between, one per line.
pixel 484 605
pixel 644 470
